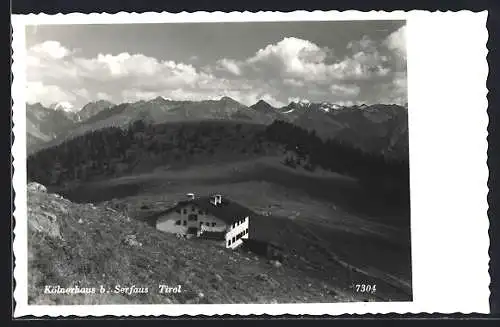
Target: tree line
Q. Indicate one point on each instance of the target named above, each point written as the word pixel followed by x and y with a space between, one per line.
pixel 309 151
pixel 113 150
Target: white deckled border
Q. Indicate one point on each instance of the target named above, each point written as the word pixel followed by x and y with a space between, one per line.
pixel 447 72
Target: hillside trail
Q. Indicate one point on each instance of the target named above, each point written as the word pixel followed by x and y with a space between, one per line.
pixel 400 285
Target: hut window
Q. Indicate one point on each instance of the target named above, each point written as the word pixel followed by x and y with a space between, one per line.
pixel 228 242
pixel 184 222
pixel 213 224
pixel 234 239
pixel 184 210
pixel 178 222
pixel 193 209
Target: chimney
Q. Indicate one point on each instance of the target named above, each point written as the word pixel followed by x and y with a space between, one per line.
pixel 190 196
pixel 216 199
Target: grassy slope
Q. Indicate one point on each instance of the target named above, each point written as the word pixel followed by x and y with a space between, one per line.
pixel 327 231
pixel 89 250
pixel 177 144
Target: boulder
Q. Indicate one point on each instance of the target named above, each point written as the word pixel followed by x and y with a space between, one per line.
pixel 131 240
pixel 276 264
pixel 36 187
pixel 44 222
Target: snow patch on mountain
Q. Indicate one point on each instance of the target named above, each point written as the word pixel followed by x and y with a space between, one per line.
pixel 64 106
pixel 328 107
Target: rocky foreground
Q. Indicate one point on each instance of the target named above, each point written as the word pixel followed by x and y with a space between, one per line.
pixel 92 254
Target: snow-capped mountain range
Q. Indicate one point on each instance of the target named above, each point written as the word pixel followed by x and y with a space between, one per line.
pixel 365 126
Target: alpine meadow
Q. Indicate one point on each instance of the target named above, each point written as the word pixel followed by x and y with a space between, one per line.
pixel 224 171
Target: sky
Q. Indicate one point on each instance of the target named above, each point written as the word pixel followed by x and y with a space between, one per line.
pixel 343 62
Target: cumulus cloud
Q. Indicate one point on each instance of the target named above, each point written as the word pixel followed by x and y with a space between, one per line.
pixel 290 68
pixel 47 94
pixel 229 65
pixel 119 77
pixel 348 90
pixel 290 57
pixel 82 93
pixel 396 41
pixel 296 60
pixel 394 91
pixel 104 96
pixel 293 82
pixel 52 49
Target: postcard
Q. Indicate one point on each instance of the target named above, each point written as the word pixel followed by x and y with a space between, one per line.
pixel 250 163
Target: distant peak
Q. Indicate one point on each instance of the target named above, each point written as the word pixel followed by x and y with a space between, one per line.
pixel 64 106
pixel 161 98
pixel 301 103
pixel 102 101
pixel 227 99
pixel 327 107
pixel 262 102
pixel 262 105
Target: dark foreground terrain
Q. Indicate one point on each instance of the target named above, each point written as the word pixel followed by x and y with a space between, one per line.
pixel 335 234
pixel 87 246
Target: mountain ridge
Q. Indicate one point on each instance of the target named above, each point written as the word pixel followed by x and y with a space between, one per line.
pixel 368 127
pixel 93 108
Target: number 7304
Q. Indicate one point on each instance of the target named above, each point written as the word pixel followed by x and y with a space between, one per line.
pixel 365 288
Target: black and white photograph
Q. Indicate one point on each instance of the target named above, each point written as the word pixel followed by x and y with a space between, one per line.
pixel 231 162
